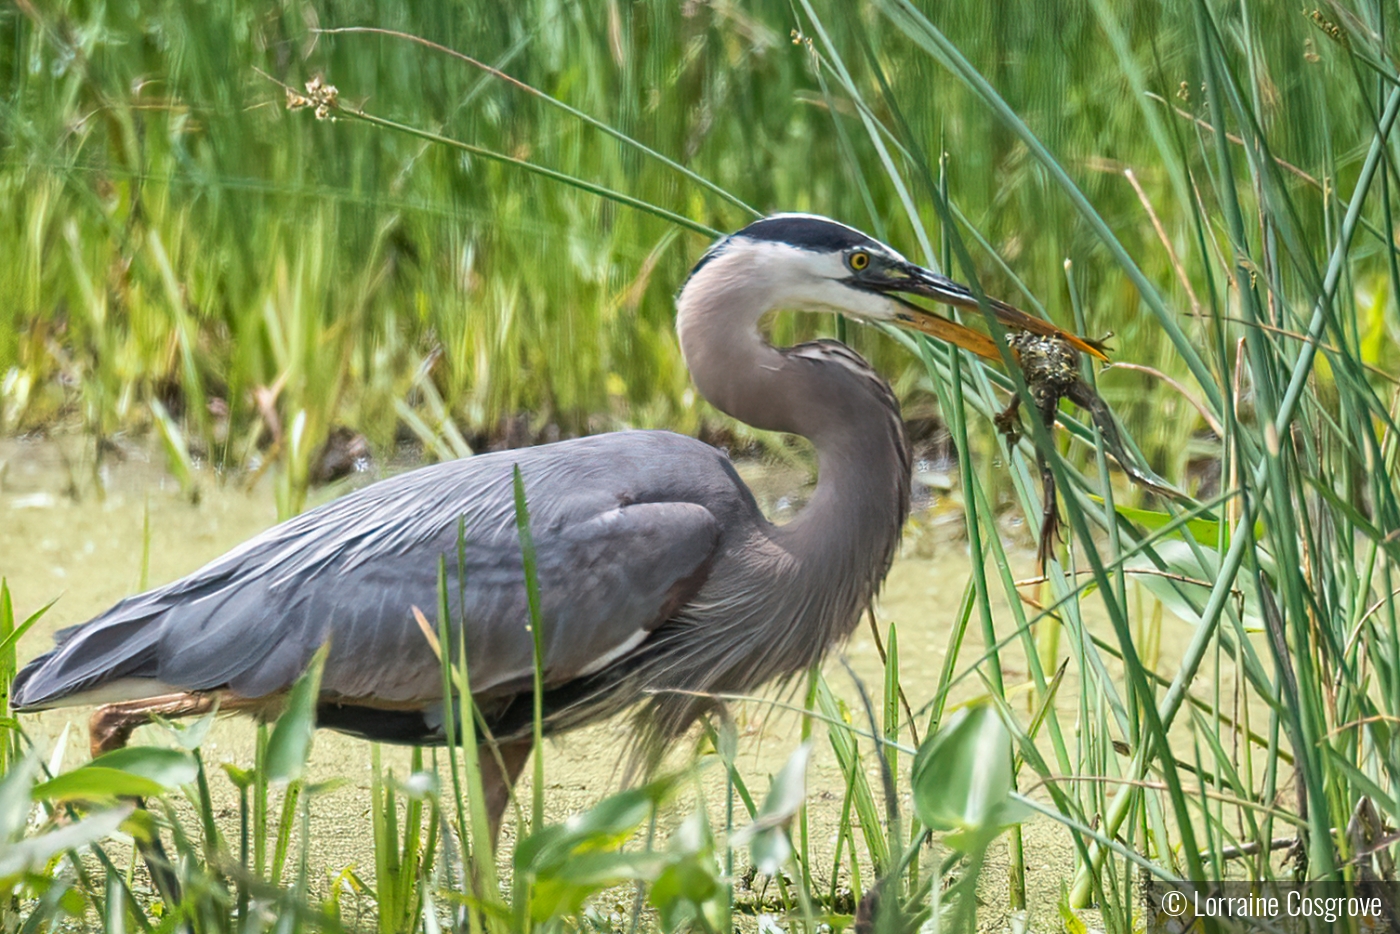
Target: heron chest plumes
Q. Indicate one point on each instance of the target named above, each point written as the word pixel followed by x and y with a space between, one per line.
pixel 779 597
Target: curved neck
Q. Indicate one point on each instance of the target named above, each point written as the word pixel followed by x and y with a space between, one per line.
pixel 824 392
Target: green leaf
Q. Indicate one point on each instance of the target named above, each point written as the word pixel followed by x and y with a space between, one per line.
pixel 843 744
pixel 140 825
pixel 18 632
pixel 1070 920
pixel 92 783
pixel 168 767
pixel 767 835
pixel 33 854
pixel 1205 531
pixel 789 788
pixel 681 889
pixel 727 741
pixel 770 849
pixel 314 789
pixel 607 824
pixel 242 778
pixel 190 736
pixel 290 744
pixel 1202 530
pixel 962 776
pixel 568 863
pixel 14 796
pixel 689 884
pixel 1178 592
pixel 572 883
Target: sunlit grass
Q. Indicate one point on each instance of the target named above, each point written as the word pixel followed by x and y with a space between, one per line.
pixel 176 235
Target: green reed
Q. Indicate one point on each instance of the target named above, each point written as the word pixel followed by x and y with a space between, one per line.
pixel 180 239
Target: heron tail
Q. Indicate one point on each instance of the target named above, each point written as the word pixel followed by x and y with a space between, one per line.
pixel 95 661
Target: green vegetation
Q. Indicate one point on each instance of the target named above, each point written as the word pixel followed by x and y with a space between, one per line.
pixel 173 235
pixel 1214 182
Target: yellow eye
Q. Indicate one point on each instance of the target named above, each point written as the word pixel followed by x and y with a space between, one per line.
pixel 859 261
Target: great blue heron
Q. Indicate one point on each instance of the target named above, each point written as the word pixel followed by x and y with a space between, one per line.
pixel 661 579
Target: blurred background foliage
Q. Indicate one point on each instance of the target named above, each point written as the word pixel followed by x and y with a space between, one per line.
pixel 171 234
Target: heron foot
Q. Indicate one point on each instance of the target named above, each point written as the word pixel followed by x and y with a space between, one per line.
pixel 111 725
pixel 501 765
pixel 110 729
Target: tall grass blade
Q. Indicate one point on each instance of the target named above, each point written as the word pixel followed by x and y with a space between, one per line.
pixel 537 641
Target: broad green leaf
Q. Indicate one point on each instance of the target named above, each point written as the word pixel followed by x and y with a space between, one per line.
pixel 32 854
pixel 168 767
pixel 242 778
pixel 91 783
pixel 568 863
pixel 606 825
pixel 290 744
pixel 770 849
pixel 1206 531
pixel 681 890
pixel 1179 591
pixel 689 885
pixel 767 835
pixel 962 774
pixel 14 796
pixel 140 825
pixel 190 736
pixel 564 890
pixel 789 787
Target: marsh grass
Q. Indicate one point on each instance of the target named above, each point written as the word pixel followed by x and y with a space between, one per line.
pixel 367 272
pixel 1303 453
pixel 178 238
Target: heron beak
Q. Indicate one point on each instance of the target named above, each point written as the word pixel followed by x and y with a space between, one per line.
pixel 949 331
pixel 909 279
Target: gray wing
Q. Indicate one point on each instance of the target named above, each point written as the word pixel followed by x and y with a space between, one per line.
pixel 612 566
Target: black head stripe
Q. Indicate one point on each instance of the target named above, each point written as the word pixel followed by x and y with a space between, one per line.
pixel 804 231
pixel 807 233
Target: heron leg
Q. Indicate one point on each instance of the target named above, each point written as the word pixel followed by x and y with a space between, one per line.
pixel 501 765
pixel 111 725
pixel 110 729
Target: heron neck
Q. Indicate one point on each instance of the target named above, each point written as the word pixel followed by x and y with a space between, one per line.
pixel 826 393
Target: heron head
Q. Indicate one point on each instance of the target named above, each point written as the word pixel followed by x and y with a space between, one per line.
pixel 809 263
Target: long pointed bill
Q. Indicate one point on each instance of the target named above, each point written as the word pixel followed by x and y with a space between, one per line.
pixel 926 284
pixel 946 330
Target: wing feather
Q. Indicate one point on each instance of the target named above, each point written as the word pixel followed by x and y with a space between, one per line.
pixel 612 566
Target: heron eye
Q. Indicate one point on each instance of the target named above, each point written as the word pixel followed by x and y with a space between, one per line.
pixel 859 261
